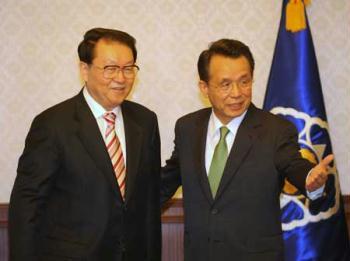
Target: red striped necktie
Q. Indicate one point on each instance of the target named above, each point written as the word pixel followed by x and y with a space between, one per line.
pixel 115 151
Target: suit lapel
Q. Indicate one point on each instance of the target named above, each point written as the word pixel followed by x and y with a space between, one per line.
pixel 91 138
pixel 133 140
pixel 245 137
pixel 200 140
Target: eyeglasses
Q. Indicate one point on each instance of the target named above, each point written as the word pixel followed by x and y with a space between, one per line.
pixel 111 71
pixel 226 86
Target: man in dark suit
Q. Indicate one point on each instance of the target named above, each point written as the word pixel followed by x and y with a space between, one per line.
pixel 87 186
pixel 231 161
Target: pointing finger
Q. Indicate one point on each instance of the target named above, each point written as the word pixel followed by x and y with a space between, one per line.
pixel 327 160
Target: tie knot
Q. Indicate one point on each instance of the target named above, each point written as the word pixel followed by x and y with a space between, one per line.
pixel 109 117
pixel 223 132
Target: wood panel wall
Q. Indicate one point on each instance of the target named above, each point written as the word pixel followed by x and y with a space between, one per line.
pixel 3 232
pixel 172 229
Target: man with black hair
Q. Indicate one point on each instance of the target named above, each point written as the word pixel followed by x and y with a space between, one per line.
pixel 87 185
pixel 231 161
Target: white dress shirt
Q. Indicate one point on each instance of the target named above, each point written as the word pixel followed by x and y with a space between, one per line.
pixel 98 111
pixel 213 136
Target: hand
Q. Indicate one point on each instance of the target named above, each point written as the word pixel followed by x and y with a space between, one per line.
pixel 319 174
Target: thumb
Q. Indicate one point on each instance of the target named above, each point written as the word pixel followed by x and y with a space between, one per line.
pixel 327 160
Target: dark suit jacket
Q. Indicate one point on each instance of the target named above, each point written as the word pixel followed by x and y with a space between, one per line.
pixel 243 221
pixel 66 203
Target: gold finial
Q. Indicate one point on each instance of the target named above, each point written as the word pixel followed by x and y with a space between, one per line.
pixel 295 15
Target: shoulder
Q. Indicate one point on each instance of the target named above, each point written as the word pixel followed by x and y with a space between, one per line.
pixel 139 115
pixel 192 122
pixel 270 126
pixel 268 119
pixel 136 110
pixel 61 112
pixel 194 117
pixel 53 122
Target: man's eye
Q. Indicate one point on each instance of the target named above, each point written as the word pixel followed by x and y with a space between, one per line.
pixel 225 85
pixel 110 69
pixel 128 69
pixel 246 81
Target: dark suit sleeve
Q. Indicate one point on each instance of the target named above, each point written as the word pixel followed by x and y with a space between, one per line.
pixel 36 169
pixel 170 174
pixel 153 210
pixel 288 158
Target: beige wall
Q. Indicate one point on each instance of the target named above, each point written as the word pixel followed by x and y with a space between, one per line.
pixel 38 41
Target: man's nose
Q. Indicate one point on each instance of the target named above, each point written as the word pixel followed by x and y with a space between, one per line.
pixel 119 76
pixel 235 90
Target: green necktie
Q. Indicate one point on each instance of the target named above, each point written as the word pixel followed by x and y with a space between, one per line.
pixel 218 162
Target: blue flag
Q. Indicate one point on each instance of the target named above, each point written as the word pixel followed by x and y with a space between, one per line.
pixel 313 230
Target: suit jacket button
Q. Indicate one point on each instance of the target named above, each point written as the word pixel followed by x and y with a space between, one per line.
pixel 121 246
pixel 214 211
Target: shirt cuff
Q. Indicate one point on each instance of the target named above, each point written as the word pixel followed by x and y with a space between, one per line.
pixel 316 193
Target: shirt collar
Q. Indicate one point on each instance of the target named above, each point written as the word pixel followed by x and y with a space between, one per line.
pixel 215 124
pixel 96 108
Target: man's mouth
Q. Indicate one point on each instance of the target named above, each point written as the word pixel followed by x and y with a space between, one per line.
pixel 236 106
pixel 118 88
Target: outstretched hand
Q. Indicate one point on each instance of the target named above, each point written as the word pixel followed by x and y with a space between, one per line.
pixel 319 174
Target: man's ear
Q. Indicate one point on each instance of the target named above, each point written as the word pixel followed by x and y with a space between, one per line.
pixel 203 86
pixel 84 71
